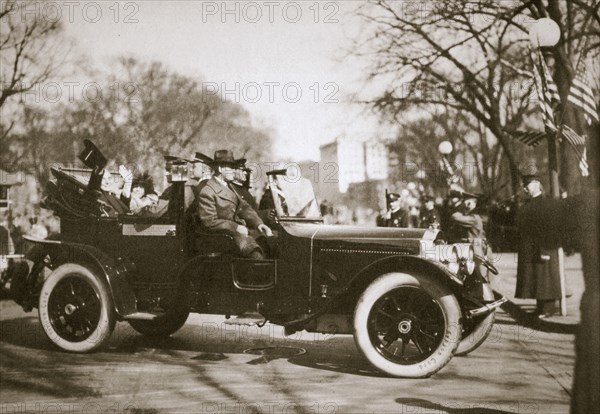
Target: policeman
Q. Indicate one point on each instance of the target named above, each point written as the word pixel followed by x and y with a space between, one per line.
pixel 396 216
pixel 430 217
pixel 466 225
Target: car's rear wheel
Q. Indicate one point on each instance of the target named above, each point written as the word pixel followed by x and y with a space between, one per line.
pixel 475 331
pixel 76 309
pixel 407 325
pixel 163 325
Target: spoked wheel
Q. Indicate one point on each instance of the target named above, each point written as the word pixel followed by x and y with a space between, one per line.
pixel 163 325
pixel 475 331
pixel 407 326
pixel 76 309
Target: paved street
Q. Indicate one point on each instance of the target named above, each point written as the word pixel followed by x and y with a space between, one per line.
pixel 203 368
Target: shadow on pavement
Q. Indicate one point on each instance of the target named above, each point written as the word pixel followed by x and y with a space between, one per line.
pixel 530 319
pixel 337 354
pixel 429 406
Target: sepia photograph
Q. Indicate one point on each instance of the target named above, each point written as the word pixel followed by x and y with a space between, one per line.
pixel 299 207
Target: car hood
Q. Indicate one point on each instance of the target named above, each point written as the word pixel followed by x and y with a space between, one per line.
pixel 362 235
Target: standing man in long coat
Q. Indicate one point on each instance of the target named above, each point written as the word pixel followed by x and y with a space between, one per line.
pixel 538 275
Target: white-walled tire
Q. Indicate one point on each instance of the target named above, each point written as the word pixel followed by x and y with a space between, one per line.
pixel 407 325
pixel 475 332
pixel 76 309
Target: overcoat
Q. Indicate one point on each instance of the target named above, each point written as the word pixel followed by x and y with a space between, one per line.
pixel 221 209
pixel 538 274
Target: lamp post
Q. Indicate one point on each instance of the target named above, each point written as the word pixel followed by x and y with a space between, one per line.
pixel 445 149
pixel 420 176
pixel 545 32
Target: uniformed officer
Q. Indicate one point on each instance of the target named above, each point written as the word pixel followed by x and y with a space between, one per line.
pixel 466 225
pixel 430 217
pixel 396 216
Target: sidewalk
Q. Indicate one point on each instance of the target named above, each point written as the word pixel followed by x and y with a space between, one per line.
pixel 521 309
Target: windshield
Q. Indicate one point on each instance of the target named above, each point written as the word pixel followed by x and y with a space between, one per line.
pixel 295 198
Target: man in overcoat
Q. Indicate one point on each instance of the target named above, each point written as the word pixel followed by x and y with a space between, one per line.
pixel 221 209
pixel 538 275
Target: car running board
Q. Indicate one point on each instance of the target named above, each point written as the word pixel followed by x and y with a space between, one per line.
pixel 249 319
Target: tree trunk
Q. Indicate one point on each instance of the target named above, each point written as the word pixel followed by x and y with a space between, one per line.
pixel 586 382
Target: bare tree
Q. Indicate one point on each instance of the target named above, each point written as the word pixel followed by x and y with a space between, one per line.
pixel 146 111
pixel 28 48
pixel 464 56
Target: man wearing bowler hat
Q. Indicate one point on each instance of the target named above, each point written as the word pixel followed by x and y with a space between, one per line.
pixel 538 275
pixel 221 209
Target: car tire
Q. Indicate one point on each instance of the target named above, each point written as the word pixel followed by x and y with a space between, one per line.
pixel 475 332
pixel 163 325
pixel 399 312
pixel 76 309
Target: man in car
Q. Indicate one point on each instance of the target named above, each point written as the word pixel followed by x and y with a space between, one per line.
pixel 221 209
pixel 241 185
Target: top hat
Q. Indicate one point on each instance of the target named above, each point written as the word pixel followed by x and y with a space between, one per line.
pixel 526 179
pixel 203 158
pixel 225 157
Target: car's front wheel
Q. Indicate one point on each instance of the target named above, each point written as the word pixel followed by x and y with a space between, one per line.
pixel 407 325
pixel 75 309
pixel 475 331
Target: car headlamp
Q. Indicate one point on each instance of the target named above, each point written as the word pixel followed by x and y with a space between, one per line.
pixel 452 260
pixel 466 257
pixel 447 254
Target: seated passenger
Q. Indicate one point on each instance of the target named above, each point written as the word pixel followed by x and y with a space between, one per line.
pixel 221 209
pixel 241 185
pixel 138 193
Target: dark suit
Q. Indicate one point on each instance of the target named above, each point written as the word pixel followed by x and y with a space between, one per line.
pixel 221 209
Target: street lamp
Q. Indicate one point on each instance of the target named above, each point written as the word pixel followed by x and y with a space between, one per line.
pixel 445 149
pixel 544 32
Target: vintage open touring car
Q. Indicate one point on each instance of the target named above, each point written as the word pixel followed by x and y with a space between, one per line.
pixel 410 300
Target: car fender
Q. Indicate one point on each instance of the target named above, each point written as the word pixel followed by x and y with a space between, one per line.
pixel 113 273
pixel 405 264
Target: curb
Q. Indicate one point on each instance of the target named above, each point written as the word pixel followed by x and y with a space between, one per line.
pixel 532 321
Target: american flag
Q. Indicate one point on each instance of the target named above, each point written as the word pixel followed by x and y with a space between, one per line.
pixel 547 90
pixel 530 138
pixel 581 94
pixel 575 140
